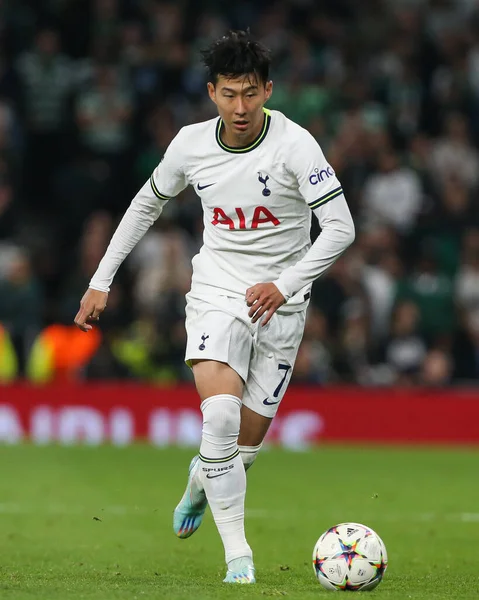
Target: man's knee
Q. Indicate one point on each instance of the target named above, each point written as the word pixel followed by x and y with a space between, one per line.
pixel 221 416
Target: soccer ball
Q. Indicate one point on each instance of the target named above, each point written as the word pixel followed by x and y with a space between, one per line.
pixel 350 557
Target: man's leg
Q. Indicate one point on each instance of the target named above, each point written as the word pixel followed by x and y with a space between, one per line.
pixel 189 512
pixel 219 469
pixel 218 350
pixel 212 379
pixel 270 368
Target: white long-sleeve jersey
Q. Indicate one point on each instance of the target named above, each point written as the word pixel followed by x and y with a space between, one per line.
pixel 257 204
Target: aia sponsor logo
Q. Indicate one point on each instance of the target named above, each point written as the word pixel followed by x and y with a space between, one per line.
pixel 261 215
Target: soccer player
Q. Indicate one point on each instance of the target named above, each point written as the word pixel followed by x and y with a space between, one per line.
pixel 258 176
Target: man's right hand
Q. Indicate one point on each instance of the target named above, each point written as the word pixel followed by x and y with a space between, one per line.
pixel 92 305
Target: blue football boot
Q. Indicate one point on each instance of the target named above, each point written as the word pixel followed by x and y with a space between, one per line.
pixel 240 570
pixel 189 512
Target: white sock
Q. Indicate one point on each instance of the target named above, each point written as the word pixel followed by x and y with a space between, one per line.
pixel 249 454
pixel 222 472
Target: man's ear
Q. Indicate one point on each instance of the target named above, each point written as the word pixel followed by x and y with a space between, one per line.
pixel 268 89
pixel 211 91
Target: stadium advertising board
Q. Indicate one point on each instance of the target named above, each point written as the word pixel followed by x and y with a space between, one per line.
pixel 123 413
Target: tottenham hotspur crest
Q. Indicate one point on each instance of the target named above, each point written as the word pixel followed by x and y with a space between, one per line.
pixel 202 345
pixel 263 180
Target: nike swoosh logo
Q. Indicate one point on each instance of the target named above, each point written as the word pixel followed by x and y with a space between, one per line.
pixel 209 476
pixel 202 187
pixel 266 401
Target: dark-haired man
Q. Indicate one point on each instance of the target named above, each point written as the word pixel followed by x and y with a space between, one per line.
pixel 258 176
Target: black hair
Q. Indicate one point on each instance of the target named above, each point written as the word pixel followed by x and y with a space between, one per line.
pixel 237 54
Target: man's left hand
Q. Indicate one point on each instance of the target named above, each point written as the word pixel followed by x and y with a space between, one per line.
pixel 263 298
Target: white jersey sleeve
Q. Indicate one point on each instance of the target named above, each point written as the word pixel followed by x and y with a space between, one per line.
pixel 166 181
pixel 320 188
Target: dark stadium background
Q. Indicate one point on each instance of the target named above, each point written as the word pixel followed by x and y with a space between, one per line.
pixel 92 92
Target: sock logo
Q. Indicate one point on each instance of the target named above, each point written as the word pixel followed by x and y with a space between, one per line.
pixel 210 476
pixel 202 345
pixel 217 471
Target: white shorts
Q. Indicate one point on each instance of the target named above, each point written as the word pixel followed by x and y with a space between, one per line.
pixel 219 328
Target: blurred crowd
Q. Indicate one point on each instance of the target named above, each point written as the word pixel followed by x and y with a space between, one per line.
pixel 92 92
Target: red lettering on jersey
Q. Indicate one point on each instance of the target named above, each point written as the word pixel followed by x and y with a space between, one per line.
pixel 242 222
pixel 221 218
pixel 269 218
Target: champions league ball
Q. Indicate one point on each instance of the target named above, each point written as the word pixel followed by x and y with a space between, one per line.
pixel 350 557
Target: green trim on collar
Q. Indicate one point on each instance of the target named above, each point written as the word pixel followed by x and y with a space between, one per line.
pixel 254 144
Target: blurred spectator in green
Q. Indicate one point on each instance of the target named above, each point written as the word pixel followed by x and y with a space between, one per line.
pixel 103 114
pixel 47 78
pixel 314 361
pixel 160 130
pixel 21 304
pixel 432 293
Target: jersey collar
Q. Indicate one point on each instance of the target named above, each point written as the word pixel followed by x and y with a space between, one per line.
pixel 255 143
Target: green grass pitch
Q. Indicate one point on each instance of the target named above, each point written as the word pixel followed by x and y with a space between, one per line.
pixel 95 523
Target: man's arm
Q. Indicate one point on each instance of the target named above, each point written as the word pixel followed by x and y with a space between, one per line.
pixel 322 191
pixel 166 181
pixel 143 211
pixel 337 234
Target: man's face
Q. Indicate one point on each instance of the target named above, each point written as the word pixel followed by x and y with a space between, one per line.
pixel 240 102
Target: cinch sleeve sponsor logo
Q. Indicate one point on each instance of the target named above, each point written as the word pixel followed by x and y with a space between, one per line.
pixel 319 176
